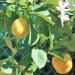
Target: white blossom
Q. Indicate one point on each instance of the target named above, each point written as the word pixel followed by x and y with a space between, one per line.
pixel 63 7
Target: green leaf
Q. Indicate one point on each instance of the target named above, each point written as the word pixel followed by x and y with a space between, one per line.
pixel 23 56
pixel 48 19
pixel 17 72
pixel 11 7
pixel 51 41
pixel 9 13
pixel 9 44
pixel 32 68
pixel 10 10
pixel 9 64
pixel 38 8
pixel 53 2
pixel 12 1
pixel 22 2
pixel 70 44
pixel 33 36
pixel 8 41
pixel 8 70
pixel 40 25
pixel 2 42
pixel 67 29
pixel 59 52
pixel 39 57
pixel 43 38
pixel 3 22
pixel 4 53
pixel 55 30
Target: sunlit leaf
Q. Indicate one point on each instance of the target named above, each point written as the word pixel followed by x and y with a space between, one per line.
pixel 11 7
pixel 48 19
pixel 53 2
pixel 9 44
pixel 39 57
pixel 32 68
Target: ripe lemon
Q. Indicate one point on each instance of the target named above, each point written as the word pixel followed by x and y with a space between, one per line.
pixel 20 28
pixel 62 66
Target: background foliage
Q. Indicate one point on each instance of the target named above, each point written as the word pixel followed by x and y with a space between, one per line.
pixel 46 37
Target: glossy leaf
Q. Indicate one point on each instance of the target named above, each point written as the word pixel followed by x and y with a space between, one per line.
pixel 39 57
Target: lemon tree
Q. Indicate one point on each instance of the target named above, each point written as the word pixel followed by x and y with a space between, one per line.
pixel 33 30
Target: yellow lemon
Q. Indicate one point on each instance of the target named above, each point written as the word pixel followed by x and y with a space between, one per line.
pixel 62 66
pixel 20 28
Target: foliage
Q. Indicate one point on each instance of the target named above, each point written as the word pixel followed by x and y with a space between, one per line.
pixel 46 33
